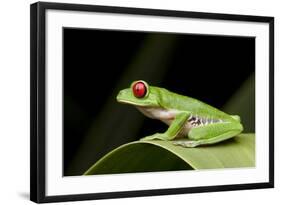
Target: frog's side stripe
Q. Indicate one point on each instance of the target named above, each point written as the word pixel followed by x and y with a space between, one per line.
pixel 200 121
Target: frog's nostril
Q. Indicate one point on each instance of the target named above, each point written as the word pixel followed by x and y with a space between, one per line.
pixel 120 94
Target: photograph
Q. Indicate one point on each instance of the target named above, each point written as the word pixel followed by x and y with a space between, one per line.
pixel 152 101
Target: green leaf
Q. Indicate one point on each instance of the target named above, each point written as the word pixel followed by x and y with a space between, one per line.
pixel 155 155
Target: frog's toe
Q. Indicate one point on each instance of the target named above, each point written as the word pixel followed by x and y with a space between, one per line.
pixel 155 136
pixel 186 143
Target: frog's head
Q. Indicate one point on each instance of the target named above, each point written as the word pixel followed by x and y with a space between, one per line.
pixel 139 94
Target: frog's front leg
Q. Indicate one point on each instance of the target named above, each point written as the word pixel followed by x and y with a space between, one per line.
pixel 174 129
pixel 211 134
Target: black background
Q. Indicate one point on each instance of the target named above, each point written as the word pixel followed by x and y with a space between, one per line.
pixel 98 63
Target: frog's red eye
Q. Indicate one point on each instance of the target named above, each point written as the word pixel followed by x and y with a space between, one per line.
pixel 139 89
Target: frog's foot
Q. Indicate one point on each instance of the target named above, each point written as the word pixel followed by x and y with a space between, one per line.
pixel 156 136
pixel 187 143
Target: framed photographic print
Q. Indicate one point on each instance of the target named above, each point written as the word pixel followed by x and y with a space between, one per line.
pixel 129 102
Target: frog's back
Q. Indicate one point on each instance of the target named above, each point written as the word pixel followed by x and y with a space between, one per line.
pixel 171 100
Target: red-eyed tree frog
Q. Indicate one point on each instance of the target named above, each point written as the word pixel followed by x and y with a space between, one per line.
pixel 191 122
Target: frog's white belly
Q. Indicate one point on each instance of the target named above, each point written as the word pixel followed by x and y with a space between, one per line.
pixel 166 116
pixel 159 113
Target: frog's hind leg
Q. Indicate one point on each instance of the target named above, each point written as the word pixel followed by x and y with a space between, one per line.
pixel 195 143
pixel 211 134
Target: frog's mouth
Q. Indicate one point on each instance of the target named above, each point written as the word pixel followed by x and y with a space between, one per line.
pixel 125 101
pixel 128 102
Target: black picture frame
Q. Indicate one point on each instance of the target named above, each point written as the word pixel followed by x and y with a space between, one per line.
pixel 38 100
